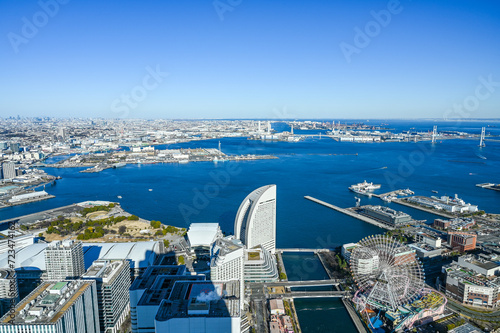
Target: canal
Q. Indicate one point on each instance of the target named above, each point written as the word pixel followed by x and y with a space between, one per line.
pixel 316 314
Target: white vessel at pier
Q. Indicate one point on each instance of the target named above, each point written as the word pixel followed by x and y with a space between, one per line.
pixel 364 187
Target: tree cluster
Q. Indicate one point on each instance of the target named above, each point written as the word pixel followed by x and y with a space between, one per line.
pixel 88 210
pixel 155 224
pixel 91 229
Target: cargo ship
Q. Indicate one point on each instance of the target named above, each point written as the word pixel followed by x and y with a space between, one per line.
pixel 119 165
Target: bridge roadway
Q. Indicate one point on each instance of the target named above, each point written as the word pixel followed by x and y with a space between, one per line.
pixel 309 283
pixel 303 250
pixel 309 294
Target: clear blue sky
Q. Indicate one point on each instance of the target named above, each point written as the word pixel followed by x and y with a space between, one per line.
pixel 265 59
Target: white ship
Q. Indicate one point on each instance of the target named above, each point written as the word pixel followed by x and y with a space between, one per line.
pixel 119 165
pixel 364 186
pixel 361 191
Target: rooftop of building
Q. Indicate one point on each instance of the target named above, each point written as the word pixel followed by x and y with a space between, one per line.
pixel 463 235
pixel 201 299
pixel 402 250
pixel 469 276
pixel 428 235
pixel 6 273
pixel 424 247
pixel 105 270
pixel 256 194
pixel 140 254
pixel 48 302
pixel 62 245
pixel 203 234
pixel 158 282
pixel 387 211
pixel 147 279
pixel 476 260
pixel 163 287
pixel 228 244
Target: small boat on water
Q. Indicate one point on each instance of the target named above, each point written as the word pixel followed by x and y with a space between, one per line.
pixel 119 197
pixel 434 191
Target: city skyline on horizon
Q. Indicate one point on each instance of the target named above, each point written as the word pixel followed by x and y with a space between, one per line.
pixel 314 119
pixel 250 60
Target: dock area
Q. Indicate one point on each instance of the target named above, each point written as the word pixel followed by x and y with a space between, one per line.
pixel 392 193
pixel 489 186
pixel 425 209
pixel 350 213
pixel 32 218
pixel 45 197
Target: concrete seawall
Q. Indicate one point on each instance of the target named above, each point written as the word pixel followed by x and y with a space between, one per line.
pixel 350 213
pixel 354 317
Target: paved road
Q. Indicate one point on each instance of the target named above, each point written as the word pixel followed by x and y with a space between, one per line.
pixel 259 303
pixel 51 213
pixel 303 283
pixel 299 294
pixel 491 316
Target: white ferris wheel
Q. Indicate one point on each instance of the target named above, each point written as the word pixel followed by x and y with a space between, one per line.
pixel 387 272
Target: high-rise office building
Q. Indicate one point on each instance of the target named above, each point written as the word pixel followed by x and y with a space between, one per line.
pixel 113 283
pixel 14 147
pixel 61 132
pixel 255 222
pixel 150 289
pixel 56 307
pixel 202 306
pixel 64 260
pixel 9 293
pixel 9 170
pixel 227 260
pixel 230 260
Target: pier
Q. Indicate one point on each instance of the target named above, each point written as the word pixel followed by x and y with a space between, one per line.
pixel 425 209
pixel 350 213
pixel 25 201
pixel 32 218
pixel 489 186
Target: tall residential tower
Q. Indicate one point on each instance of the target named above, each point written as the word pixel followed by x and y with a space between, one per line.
pixel 64 260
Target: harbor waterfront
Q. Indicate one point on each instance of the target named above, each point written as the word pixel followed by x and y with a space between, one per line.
pixel 323 315
pixel 179 194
